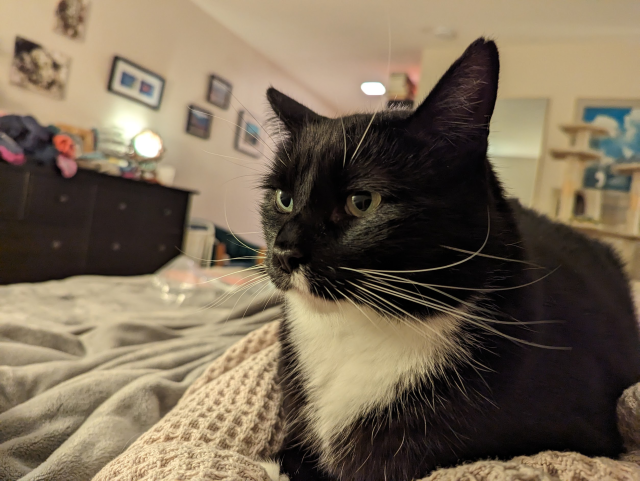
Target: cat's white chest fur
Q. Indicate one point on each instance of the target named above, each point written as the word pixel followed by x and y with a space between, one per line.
pixel 354 361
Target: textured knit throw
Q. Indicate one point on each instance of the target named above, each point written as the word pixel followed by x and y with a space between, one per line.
pixel 230 416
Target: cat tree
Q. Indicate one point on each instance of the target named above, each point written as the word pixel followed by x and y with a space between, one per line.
pixel 627 240
pixel 576 157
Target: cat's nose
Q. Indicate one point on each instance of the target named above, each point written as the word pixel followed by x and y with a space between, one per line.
pixel 288 259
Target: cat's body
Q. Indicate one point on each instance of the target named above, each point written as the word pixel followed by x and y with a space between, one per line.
pixel 407 342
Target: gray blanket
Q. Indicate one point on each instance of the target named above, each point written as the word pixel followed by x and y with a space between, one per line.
pixel 90 363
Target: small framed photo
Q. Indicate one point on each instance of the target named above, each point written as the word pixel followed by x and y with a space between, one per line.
pixel 219 93
pixel 248 136
pixel 71 18
pixel 199 122
pixel 136 83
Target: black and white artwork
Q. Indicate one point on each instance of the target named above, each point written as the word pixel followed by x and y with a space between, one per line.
pixel 71 18
pixel 39 69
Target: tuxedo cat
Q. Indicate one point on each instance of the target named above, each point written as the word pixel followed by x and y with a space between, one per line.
pixel 429 320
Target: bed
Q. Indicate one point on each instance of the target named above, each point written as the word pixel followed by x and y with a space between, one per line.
pixel 89 363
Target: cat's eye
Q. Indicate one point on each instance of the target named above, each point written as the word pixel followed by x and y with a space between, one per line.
pixel 284 201
pixel 362 203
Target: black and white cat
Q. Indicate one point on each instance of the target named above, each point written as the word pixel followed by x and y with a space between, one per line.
pixel 429 321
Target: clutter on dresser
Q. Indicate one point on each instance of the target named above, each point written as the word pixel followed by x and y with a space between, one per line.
pixel 66 148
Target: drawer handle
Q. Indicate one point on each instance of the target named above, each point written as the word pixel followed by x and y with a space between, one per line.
pixel 56 244
pixel 162 248
pixel 64 198
pixel 115 246
pixel 167 212
pixel 122 206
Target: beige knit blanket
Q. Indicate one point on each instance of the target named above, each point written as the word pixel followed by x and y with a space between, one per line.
pixel 229 417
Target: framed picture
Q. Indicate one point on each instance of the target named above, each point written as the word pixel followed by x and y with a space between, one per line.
pixel 38 69
pixel 622 119
pixel 71 18
pixel 136 83
pixel 219 93
pixel 199 122
pixel 248 136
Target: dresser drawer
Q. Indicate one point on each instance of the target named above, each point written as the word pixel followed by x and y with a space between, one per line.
pixel 165 212
pixel 33 253
pixel 125 255
pixel 13 193
pixel 57 201
pixel 118 210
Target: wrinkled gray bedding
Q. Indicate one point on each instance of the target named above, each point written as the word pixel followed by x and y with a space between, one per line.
pixel 90 363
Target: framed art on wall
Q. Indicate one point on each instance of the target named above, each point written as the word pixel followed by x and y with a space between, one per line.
pixel 199 122
pixel 39 69
pixel 248 136
pixel 622 146
pixel 219 93
pixel 71 18
pixel 136 83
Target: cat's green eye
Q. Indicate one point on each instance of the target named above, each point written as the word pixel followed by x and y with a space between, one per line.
pixel 284 201
pixel 362 203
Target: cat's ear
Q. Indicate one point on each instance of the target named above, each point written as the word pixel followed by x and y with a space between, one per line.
pixel 461 103
pixel 292 114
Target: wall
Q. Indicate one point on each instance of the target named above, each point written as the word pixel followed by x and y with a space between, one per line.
pixel 177 40
pixel 561 72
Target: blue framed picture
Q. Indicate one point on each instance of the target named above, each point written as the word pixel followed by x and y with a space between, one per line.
pixel 248 139
pixel 199 122
pixel 622 119
pixel 136 83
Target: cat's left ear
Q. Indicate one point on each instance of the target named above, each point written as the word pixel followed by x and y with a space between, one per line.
pixel 292 114
pixel 461 104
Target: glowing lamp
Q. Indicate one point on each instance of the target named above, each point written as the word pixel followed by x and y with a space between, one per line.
pixel 147 145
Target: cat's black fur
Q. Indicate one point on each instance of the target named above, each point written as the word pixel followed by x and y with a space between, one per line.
pixel 438 189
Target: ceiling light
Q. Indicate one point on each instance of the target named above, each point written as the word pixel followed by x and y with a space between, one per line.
pixel 373 88
pixel 444 33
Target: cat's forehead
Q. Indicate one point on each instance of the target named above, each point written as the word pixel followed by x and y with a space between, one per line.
pixel 337 141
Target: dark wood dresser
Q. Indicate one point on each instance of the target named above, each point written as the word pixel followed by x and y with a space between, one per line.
pixel 51 227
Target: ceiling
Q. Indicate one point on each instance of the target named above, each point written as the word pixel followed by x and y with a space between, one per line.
pixel 332 46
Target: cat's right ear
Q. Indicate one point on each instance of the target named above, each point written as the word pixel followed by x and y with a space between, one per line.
pixel 292 114
pixel 461 104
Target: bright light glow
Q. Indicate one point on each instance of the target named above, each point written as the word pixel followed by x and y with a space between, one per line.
pixel 373 88
pixel 147 144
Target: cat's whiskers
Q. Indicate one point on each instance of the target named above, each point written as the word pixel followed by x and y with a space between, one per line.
pixel 248 282
pixel 266 131
pixel 359 308
pixel 535 266
pixel 476 289
pixel 344 132
pixel 475 320
pixel 444 307
pixel 234 158
pixel 446 339
pixel 362 139
pixel 254 283
pixel 256 267
pixel 409 271
pixel 229 227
